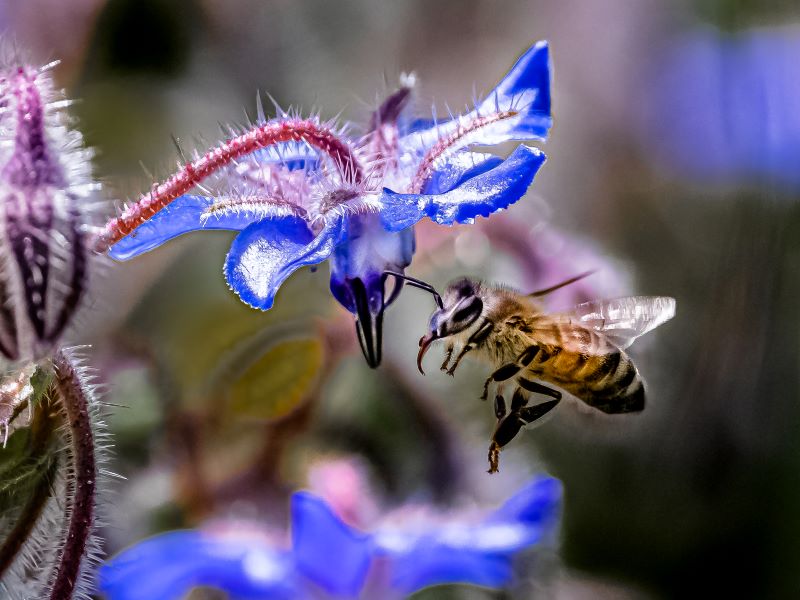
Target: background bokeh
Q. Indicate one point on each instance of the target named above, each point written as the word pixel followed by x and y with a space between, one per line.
pixel 674 165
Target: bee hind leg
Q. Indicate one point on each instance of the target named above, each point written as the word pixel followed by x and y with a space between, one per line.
pixel 529 414
pixel 494 458
pixel 510 425
pixel 537 388
pixel 506 430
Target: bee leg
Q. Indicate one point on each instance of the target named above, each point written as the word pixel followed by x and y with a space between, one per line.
pixel 476 338
pixel 529 414
pixel 447 356
pixel 518 400
pixel 494 458
pixel 538 388
pixel 499 407
pixel 504 373
pixel 508 370
pixel 506 430
pixel 520 415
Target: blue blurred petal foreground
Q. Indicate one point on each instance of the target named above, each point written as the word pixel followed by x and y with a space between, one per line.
pixel 330 559
pixel 478 553
pixel 294 207
pixel 327 550
pixel 167 566
pixel 726 107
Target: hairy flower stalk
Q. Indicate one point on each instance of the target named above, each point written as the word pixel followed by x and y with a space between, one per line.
pixel 74 398
pixel 195 172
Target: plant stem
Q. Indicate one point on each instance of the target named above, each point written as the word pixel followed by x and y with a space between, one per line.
pixel 74 398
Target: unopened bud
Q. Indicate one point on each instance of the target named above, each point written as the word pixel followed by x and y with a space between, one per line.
pixel 45 191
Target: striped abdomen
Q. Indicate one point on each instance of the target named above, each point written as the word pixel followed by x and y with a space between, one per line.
pixel 588 366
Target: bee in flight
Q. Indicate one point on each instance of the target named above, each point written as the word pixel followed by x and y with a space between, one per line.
pixel 581 350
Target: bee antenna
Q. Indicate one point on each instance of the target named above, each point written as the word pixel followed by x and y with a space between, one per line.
pixel 558 286
pixel 418 283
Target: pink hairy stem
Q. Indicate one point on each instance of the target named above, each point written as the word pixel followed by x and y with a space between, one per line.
pixel 198 170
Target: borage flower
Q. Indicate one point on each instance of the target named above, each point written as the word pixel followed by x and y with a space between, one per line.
pixel 310 193
pixel 328 558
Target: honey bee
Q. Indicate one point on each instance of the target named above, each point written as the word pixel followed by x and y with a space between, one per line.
pixel 582 351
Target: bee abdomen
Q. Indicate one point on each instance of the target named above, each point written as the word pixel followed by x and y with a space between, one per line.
pixel 609 382
pixel 623 393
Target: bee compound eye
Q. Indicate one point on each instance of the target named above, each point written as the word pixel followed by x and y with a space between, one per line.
pixel 470 311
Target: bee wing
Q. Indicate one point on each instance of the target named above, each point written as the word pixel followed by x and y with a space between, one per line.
pixel 622 320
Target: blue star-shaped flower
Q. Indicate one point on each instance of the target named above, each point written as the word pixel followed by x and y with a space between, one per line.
pixel 330 559
pixel 310 193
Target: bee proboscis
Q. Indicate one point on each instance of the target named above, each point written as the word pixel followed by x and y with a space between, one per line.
pixel 582 351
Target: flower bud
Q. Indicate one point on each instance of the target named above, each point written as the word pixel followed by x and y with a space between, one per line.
pixel 45 184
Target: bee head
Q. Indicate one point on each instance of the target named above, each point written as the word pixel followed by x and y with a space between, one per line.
pixel 461 307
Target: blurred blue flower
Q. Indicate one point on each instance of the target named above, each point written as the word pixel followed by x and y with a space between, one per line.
pixel 245 562
pixel 167 566
pixel 477 550
pixel 726 107
pixel 329 558
pixel 314 193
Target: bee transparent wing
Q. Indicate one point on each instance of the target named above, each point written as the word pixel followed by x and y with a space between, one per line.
pixel 623 320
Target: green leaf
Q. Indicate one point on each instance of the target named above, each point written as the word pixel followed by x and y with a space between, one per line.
pixel 278 382
pixel 40 381
pixel 28 456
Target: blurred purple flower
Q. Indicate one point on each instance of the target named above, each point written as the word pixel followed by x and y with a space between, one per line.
pixel 726 107
pixel 310 193
pixel 417 549
pixel 548 256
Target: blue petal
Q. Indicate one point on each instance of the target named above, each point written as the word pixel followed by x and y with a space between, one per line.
pixel 167 566
pixel 531 73
pixel 474 553
pixel 434 565
pixel 268 251
pixel 181 216
pixel 525 89
pixel 536 504
pixel 478 193
pixel 464 165
pixel 326 550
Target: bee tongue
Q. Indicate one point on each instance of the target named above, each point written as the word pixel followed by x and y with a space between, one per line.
pixel 424 344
